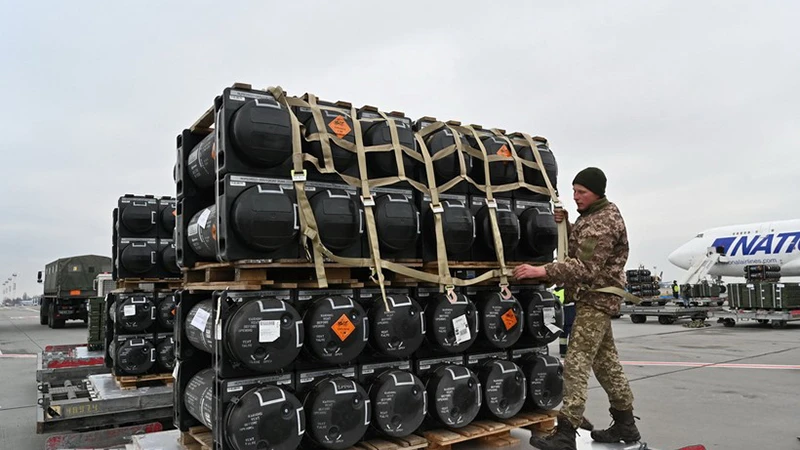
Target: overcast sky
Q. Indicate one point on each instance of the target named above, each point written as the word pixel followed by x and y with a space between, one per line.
pixel 691 108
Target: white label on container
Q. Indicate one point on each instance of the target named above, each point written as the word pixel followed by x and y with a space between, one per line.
pixel 549 315
pixel 192 229
pixel 175 370
pixel 269 330
pixel 129 310
pixel 461 327
pixel 200 319
pixel 553 328
pixel 235 389
pixel 203 219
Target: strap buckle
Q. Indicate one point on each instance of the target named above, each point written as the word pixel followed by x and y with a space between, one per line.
pixel 491 203
pixel 437 209
pixel 449 291
pixel 505 292
pixel 368 201
pixel 299 176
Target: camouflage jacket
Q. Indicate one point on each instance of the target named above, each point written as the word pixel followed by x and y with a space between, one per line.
pixel 598 249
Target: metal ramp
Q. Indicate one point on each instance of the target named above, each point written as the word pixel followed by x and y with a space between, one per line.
pixel 702 266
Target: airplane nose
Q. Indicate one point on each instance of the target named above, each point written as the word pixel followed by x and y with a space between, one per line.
pixel 679 257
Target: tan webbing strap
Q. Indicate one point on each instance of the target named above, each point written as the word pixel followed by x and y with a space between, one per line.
pixel 563 238
pixel 437 209
pixel 369 202
pixel 308 225
pixel 619 292
pixel 324 136
pixel 491 203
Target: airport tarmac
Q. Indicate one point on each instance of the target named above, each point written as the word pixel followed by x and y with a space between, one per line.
pixel 727 388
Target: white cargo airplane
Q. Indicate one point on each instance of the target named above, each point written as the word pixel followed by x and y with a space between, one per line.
pixel 776 243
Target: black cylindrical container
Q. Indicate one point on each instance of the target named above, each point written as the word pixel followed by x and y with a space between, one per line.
pixel 544 374
pixel 265 217
pixel 455 395
pixel 169 260
pixel 399 403
pixel 539 233
pixel 202 232
pixel 137 218
pixel 399 331
pixel 501 319
pixel 507 224
pixel 452 327
pixel 134 314
pixel 336 329
pixel 263 335
pixel 165 354
pixel 338 413
pixel 533 176
pixel 500 172
pixel 201 163
pixel 338 218
pixel 265 417
pixel 504 388
pixel 458 226
pixel 135 356
pixel 199 326
pixel 168 219
pixel 137 258
pixel 262 133
pixel 397 222
pixel 384 164
pixel 543 316
pixel 339 125
pixel 165 313
pixel 448 167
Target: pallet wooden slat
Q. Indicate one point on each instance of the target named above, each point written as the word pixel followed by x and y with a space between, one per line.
pixel 127 382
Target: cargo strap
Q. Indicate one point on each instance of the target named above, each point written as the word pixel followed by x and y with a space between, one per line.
pixel 309 230
pixel 491 203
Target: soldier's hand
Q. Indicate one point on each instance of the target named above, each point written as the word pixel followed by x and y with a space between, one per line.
pixel 560 214
pixel 524 271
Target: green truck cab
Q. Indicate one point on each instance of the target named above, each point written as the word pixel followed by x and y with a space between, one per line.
pixel 68 284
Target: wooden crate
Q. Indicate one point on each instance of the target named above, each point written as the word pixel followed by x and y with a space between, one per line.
pixel 411 442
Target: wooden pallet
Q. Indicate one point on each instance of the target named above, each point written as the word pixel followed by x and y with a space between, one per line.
pixel 489 433
pixel 273 275
pixel 197 438
pixel 411 442
pixel 129 382
pixel 147 284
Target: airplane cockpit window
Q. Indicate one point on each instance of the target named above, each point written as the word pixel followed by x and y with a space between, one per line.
pixel 699 235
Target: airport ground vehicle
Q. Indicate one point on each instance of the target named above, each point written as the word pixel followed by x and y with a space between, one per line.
pixel 68 284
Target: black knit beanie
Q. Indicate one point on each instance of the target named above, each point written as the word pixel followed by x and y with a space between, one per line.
pixel 593 179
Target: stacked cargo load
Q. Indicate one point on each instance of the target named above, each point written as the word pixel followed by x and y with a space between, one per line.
pixel 321 246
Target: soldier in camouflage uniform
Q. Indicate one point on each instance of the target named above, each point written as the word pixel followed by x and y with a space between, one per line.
pixel 598 245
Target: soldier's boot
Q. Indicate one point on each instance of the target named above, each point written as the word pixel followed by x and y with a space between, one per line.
pixel 562 439
pixel 623 428
pixel 586 425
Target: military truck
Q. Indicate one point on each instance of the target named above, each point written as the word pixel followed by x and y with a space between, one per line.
pixel 68 284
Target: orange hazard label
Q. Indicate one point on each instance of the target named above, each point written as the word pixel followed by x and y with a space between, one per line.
pixel 509 319
pixel 343 327
pixel 504 151
pixel 75 292
pixel 214 151
pixel 340 127
pixel 214 232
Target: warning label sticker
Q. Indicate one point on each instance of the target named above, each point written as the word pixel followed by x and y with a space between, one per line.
pixel 509 319
pixel 343 327
pixel 504 151
pixel 461 329
pixel 340 127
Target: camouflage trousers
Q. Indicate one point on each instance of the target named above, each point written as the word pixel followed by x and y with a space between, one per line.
pixel 591 347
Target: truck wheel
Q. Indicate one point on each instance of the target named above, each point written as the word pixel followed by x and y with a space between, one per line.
pixel 778 324
pixel 666 320
pixel 53 323
pixel 43 314
pixel 638 318
pixel 729 323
